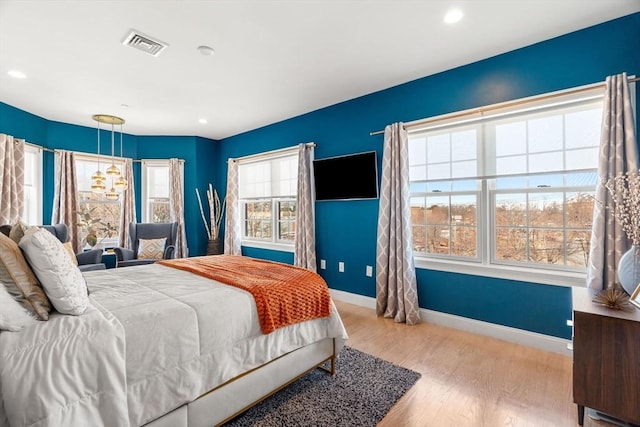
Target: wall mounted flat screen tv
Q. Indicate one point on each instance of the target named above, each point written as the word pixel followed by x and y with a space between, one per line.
pixel 350 177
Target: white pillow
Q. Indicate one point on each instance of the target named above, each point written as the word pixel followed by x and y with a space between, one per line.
pixel 13 317
pixel 61 280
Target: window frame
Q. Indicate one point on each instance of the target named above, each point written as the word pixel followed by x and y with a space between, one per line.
pixel 35 219
pixel 492 193
pixel 486 265
pixel 146 165
pixel 273 243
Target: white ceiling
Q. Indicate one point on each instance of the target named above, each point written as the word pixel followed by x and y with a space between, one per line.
pixel 273 59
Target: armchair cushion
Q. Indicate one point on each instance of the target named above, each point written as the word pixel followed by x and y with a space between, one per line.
pixel 141 236
pixel 151 248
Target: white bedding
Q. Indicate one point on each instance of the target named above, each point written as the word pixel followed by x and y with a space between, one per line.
pixel 184 335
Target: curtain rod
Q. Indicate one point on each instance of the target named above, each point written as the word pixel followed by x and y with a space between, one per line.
pixel 40 147
pixel 506 104
pixel 268 153
pixel 156 160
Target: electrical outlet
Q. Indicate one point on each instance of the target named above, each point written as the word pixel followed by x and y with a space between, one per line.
pixel 323 264
pixel 341 267
pixel 369 271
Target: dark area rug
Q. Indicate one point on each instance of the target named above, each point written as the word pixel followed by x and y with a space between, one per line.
pixel 360 394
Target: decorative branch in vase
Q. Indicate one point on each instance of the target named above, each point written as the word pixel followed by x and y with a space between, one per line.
pixel 624 190
pixel 216 211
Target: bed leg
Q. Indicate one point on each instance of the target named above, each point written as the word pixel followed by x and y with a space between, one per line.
pixel 332 362
pixel 333 359
pixel 333 365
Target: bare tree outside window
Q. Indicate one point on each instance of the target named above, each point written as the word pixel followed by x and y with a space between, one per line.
pixel 258 219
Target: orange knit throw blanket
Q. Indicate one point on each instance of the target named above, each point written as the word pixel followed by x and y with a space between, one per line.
pixel 284 294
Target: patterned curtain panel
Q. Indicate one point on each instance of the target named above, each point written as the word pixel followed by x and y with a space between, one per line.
pixel 128 205
pixel 232 225
pixel 618 155
pixel 305 243
pixel 176 205
pixel 65 198
pixel 11 179
pixel 396 289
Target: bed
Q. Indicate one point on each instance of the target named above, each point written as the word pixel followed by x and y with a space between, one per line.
pixel 156 346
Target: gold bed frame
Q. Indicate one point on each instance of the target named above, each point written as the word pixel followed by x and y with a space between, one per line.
pixel 331 370
pixel 192 414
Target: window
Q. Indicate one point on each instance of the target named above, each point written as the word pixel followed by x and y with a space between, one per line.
pixel 267 193
pixel 32 213
pixel 509 188
pixel 98 215
pixel 155 191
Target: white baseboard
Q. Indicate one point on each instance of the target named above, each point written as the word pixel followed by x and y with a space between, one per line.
pixel 505 333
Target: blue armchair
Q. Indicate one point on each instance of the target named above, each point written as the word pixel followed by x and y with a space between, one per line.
pixel 138 231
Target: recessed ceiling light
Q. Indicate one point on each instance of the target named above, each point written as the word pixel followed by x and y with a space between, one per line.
pixel 206 50
pixel 453 16
pixel 202 121
pixel 17 74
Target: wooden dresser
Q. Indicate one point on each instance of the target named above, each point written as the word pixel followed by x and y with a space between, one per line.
pixel 606 358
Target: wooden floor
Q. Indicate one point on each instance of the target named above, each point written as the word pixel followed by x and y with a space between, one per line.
pixel 467 380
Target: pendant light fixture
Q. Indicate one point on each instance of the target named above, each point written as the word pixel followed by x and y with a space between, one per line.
pixel 117 180
pixel 98 178
pixel 121 183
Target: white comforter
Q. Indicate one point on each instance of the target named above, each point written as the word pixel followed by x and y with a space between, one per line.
pixel 153 339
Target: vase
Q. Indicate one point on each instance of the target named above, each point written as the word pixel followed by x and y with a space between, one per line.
pixel 91 239
pixel 214 247
pixel 629 269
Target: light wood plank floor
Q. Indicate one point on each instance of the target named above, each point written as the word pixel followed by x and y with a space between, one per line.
pixel 467 380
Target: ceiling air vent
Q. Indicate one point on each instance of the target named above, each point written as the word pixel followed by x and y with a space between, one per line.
pixel 144 43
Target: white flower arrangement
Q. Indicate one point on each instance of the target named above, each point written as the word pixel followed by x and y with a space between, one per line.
pixel 216 210
pixel 625 193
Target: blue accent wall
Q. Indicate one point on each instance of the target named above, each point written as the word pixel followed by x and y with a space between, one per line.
pixel 199 169
pixel 22 124
pixel 346 230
